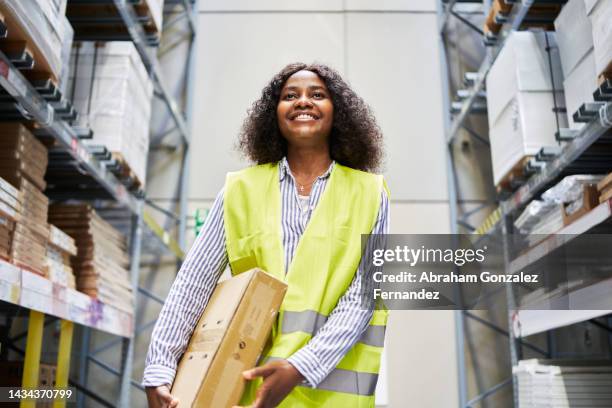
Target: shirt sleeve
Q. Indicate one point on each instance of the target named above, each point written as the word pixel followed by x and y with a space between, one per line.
pixel 186 300
pixel 345 324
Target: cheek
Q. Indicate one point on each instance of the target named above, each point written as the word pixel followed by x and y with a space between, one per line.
pixel 329 112
pixel 280 112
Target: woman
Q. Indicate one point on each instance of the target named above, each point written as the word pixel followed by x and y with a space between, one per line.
pixel 299 215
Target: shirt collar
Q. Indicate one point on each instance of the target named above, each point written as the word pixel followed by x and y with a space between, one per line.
pixel 283 169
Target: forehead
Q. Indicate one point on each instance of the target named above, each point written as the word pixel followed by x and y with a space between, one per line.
pixel 304 79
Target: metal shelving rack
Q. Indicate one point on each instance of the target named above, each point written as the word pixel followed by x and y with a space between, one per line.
pixel 42 297
pixel 523 323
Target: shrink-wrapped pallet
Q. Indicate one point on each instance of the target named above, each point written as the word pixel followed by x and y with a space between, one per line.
pixel 112 93
pixel 523 87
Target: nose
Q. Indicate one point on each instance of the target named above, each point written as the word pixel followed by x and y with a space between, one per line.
pixel 303 102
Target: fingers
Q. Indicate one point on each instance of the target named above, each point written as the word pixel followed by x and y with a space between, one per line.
pixel 261 397
pixel 263 371
pixel 166 398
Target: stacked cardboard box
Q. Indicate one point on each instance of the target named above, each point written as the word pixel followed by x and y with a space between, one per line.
pixel 10 208
pixel 604 187
pixel 117 104
pixel 523 87
pixel 101 262
pixel 23 164
pixel 21 156
pixel 60 248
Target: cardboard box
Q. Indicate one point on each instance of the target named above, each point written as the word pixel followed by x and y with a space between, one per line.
pixel 5 222
pixel 228 339
pixel 6 211
pixel 16 136
pixel 601 17
pixel 590 200
pixel 579 87
pixel 62 240
pixel 101 261
pixel 11 190
pixel 574 34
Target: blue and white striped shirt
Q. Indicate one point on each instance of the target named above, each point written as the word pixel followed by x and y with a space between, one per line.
pixel 207 259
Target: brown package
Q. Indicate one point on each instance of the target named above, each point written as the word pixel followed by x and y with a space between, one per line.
pixel 228 339
pixel 589 201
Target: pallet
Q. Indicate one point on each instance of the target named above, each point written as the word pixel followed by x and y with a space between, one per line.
pixel 22 50
pixel 125 174
pixel 539 16
pixel 102 21
pixel 515 176
pixel 605 75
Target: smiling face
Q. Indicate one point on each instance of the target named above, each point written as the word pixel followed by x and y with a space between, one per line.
pixel 305 110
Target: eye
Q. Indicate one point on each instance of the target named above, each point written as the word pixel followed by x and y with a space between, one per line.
pixel 290 96
pixel 319 95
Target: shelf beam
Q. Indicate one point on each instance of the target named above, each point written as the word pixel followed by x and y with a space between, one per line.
pixel 572 151
pixel 163 236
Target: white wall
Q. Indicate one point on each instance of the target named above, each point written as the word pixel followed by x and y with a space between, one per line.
pixel 388 51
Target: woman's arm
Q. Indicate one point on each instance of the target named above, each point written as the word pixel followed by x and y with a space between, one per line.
pixel 186 300
pixel 345 324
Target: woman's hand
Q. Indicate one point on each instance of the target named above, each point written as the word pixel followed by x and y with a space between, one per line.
pixel 280 377
pixel 160 397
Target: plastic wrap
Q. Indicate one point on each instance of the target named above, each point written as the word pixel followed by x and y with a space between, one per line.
pixel 570 188
pixel 118 110
pixel 39 21
pixel 535 211
pixel 67 36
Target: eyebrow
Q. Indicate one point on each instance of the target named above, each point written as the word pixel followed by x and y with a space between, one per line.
pixel 312 87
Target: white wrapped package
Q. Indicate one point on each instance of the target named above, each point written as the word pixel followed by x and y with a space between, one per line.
pixel 570 188
pixel 574 35
pixel 534 213
pixel 118 110
pixel 520 99
pixel 38 21
pixel 67 36
pixel 601 20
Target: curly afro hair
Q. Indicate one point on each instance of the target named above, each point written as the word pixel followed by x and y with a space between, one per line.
pixel 355 140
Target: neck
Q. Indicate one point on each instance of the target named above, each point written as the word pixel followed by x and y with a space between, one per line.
pixel 307 162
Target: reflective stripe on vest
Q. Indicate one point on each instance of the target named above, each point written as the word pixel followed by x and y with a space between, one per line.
pixel 350 382
pixel 309 321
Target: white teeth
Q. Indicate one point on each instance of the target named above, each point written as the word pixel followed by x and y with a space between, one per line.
pixel 304 116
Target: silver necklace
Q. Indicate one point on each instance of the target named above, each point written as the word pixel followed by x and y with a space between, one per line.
pixel 303 186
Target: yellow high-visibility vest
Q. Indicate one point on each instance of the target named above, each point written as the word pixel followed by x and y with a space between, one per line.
pixel 322 269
